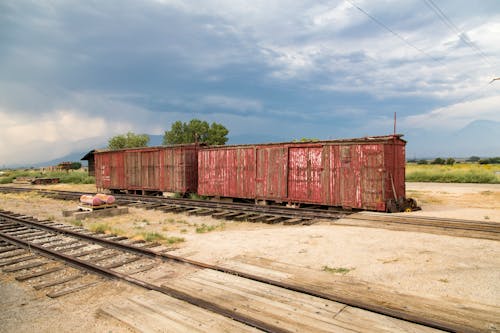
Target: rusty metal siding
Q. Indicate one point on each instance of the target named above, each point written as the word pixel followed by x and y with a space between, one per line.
pixel 164 169
pixel 305 174
pixel 150 169
pixel 102 175
pixel 132 166
pixel 116 170
pixel 372 176
pixel 395 168
pixel 179 172
pixel 227 172
pixel 352 174
pixel 271 172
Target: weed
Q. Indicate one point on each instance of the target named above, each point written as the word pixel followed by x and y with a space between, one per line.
pixel 145 221
pixel 337 270
pixel 99 228
pixel 78 223
pixel 152 236
pixel 51 218
pixel 444 280
pixel 194 196
pixel 173 240
pixel 184 231
pixel 207 228
pixel 486 217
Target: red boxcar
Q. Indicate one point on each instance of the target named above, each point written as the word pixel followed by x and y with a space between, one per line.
pixel 365 173
pixel 148 170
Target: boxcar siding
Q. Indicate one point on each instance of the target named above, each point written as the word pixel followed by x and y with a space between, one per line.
pixel 395 166
pixel 271 173
pixel 162 169
pixel 117 171
pixel 305 165
pixel 372 176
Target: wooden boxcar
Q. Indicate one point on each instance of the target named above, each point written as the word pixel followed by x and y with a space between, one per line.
pixel 364 173
pixel 149 170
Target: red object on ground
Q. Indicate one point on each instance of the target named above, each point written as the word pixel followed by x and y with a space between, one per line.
pixel 105 198
pixel 91 200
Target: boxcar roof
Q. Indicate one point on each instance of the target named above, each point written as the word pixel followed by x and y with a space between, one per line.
pixel 97 151
pixel 366 139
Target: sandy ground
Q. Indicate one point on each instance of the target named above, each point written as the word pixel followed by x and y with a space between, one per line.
pixel 451 268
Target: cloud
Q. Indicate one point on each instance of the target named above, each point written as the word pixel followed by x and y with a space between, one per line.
pixel 457 115
pixel 292 68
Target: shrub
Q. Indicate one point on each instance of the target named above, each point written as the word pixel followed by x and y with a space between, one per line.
pixel 438 160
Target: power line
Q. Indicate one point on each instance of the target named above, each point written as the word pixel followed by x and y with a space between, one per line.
pixel 380 23
pixel 463 37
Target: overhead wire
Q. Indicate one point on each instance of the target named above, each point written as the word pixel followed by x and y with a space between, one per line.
pixel 453 27
pixel 380 23
pixel 449 23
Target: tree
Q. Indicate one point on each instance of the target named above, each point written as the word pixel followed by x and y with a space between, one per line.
pixel 422 162
pixel 474 159
pixel 450 161
pixel 129 140
pixel 438 160
pixel 196 131
pixel 306 140
pixel 76 165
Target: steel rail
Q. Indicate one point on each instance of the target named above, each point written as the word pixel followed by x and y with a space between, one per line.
pixel 163 289
pixel 278 210
pixel 391 312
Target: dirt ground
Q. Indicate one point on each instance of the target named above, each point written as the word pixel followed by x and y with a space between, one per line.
pixel 451 268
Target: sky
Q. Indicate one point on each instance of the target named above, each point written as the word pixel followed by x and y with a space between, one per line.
pixel 75 73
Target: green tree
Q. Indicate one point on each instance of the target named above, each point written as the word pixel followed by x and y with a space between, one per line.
pixel 422 162
pixel 474 159
pixel 306 140
pixel 450 161
pixel 196 131
pixel 129 140
pixel 439 160
pixel 76 165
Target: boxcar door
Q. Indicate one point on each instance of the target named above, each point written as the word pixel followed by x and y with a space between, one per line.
pixel 305 168
pixel 150 167
pixel 116 171
pixel 102 174
pixel 271 173
pixel 349 174
pixel 372 177
pixel 133 169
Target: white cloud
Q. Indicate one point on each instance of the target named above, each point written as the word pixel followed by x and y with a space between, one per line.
pixel 456 116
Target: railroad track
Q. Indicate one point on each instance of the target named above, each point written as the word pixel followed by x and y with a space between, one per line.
pixel 289 216
pixel 67 251
pixel 221 210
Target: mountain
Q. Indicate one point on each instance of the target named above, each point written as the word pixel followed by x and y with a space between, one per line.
pixel 478 138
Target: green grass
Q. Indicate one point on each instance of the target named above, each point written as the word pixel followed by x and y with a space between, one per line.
pixel 458 173
pixel 77 223
pixel 174 240
pixel 71 177
pixel 152 236
pixel 337 270
pixel 99 228
pixel 207 228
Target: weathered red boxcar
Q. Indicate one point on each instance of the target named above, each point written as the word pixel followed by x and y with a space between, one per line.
pixel 364 173
pixel 148 170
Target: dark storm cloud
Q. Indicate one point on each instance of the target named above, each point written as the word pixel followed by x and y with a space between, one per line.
pixel 274 69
